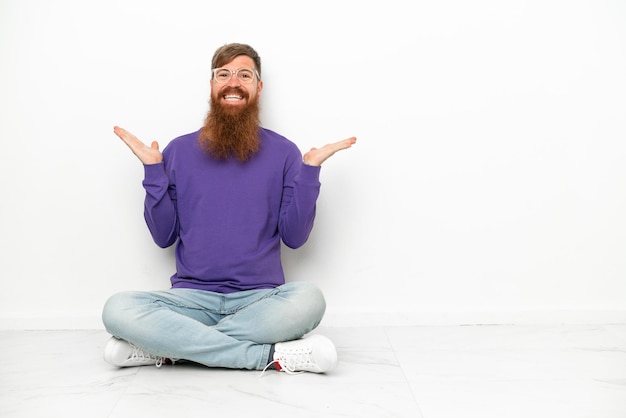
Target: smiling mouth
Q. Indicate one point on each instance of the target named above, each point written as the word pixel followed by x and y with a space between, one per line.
pixel 232 97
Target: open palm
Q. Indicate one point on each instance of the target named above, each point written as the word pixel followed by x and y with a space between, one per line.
pixel 146 154
pixel 316 156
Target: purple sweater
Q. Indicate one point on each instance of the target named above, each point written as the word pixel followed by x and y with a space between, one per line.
pixel 227 218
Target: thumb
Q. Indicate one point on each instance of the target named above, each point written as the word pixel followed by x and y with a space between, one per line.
pixel 154 145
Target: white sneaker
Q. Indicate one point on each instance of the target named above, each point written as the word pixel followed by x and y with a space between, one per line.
pixel 121 353
pixel 316 354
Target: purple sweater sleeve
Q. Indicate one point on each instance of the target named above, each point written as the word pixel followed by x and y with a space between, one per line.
pixel 160 205
pixel 298 206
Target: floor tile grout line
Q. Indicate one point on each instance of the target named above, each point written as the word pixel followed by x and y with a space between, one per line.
pixel 124 393
pixel 406 378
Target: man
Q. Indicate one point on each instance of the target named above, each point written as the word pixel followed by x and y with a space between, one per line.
pixel 227 195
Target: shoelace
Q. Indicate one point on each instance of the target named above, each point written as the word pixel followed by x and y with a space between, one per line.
pixel 139 354
pixel 290 361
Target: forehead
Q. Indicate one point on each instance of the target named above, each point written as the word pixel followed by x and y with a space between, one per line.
pixel 240 61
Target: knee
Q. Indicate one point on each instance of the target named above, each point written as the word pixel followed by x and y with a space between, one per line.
pixel 113 312
pixel 316 297
pixel 309 299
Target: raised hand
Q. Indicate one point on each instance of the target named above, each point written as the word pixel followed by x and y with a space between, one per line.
pixel 316 156
pixel 146 154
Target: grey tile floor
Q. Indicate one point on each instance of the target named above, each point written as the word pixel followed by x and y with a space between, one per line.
pixel 420 372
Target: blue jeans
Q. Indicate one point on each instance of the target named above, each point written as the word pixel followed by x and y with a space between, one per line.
pixel 234 330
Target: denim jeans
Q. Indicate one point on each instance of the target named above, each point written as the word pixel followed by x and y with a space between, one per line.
pixel 234 330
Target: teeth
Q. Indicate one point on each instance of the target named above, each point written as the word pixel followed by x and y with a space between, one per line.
pixel 232 97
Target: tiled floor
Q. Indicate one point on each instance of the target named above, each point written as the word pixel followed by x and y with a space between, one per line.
pixel 429 372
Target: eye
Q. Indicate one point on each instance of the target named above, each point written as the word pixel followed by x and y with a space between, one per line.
pixel 246 75
pixel 222 74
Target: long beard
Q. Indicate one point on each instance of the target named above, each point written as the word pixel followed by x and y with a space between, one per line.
pixel 231 132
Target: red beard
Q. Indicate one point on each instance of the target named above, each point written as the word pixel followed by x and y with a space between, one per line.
pixel 231 131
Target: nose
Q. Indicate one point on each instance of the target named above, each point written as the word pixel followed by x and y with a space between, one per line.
pixel 234 80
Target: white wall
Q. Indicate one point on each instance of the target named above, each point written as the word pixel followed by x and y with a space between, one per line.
pixel 487 184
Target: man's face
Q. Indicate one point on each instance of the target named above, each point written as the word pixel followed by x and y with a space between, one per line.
pixel 235 95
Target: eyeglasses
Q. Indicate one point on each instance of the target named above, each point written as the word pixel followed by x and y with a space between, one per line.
pixel 244 75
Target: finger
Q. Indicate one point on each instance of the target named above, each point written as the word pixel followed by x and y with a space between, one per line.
pixel 154 145
pixel 118 131
pixel 131 140
pixel 122 133
pixel 348 142
pixel 343 144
